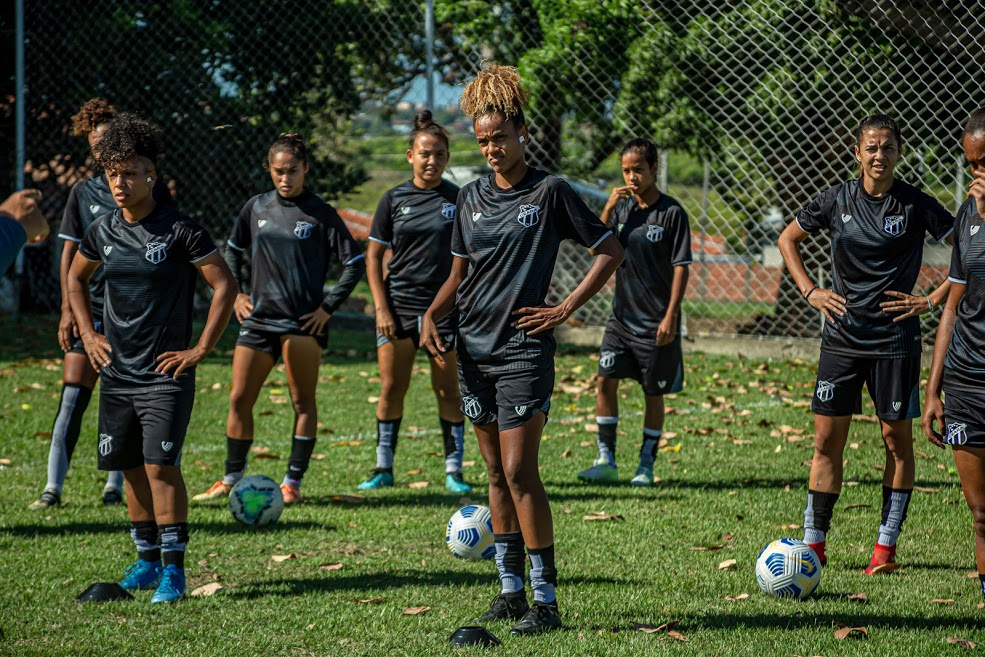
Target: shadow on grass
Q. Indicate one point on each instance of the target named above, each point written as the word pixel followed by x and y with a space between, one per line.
pixel 728 485
pixel 228 528
pixel 819 620
pixel 382 581
pixel 452 500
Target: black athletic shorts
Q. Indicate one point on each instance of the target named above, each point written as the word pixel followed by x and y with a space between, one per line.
pixel 143 426
pixel 78 347
pixel 408 325
pixel 505 396
pixel 660 370
pixel 270 341
pixel 893 383
pixel 964 416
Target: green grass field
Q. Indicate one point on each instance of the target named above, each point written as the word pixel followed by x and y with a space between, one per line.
pixel 732 479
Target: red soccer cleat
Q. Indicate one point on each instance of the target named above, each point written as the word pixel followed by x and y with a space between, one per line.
pixel 883 560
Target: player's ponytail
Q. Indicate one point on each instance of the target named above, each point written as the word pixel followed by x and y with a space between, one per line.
pixel 289 142
pixel 424 124
pixel 495 90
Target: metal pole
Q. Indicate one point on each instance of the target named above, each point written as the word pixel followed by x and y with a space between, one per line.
pixel 429 49
pixel 705 185
pixel 19 129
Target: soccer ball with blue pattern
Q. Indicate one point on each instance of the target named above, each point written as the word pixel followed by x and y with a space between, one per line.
pixel 788 568
pixel 256 500
pixel 470 533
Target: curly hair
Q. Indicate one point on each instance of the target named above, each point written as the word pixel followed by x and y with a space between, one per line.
pixel 289 142
pixel 976 122
pixel 94 112
pixel 128 136
pixel 424 124
pixel 495 90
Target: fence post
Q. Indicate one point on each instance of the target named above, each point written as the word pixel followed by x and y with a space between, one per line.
pixel 429 49
pixel 705 184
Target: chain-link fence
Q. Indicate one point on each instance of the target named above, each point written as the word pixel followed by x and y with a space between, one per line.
pixel 753 103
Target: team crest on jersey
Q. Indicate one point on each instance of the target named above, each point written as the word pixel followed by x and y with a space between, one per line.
pixel 405 210
pixel 471 407
pixel 107 250
pixel 448 211
pixel 261 223
pixel 95 210
pixel 974 230
pixel 894 224
pixel 825 391
pixel 845 218
pixel 607 359
pixel 476 216
pixel 957 434
pixel 654 233
pixel 529 215
pixel 105 444
pixel 156 252
pixel 302 229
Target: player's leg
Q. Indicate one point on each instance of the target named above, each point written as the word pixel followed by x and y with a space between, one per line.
pixel 615 363
pixel 395 359
pixel 444 382
pixel 970 462
pixel 302 358
pixel 653 424
pixel 662 373
pixel 251 365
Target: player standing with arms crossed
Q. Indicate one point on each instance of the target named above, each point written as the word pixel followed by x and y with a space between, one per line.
pixel 292 235
pixel 642 337
pixel 507 234
pixel 414 220
pixel 151 255
pixel 872 330
pixel 958 367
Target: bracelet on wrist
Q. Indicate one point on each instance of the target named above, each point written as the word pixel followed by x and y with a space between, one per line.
pixel 809 293
pixel 930 304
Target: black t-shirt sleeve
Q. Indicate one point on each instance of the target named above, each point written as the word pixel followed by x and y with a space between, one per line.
pixel 680 245
pixel 936 218
pixel 195 240
pixel 575 220
pixel 89 247
pixel 340 240
pixel 958 272
pixel 71 228
pixel 457 239
pixel 816 215
pixel 241 236
pixel 381 229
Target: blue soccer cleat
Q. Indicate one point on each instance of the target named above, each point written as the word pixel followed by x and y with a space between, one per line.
pixel 456 484
pixel 378 480
pixel 172 586
pixel 141 575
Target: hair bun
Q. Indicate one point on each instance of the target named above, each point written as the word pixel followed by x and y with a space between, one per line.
pixel 423 120
pixel 291 135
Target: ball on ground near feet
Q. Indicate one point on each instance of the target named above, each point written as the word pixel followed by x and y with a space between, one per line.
pixel 256 500
pixel 470 534
pixel 788 568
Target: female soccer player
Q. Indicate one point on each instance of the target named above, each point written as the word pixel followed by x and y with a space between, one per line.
pixel 292 235
pixel 88 199
pixel 505 242
pixel 641 338
pixel 958 367
pixel 151 255
pixel 414 220
pixel 872 330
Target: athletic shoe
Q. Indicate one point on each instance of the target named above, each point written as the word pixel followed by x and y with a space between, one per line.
pixel 643 477
pixel 112 497
pixel 217 490
pixel 48 499
pixel 456 484
pixel 542 617
pixel 819 550
pixel 172 586
pixel 141 575
pixel 378 480
pixel 506 606
pixel 883 560
pixel 292 494
pixel 601 472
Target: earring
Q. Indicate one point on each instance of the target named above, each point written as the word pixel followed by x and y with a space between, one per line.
pixel 149 179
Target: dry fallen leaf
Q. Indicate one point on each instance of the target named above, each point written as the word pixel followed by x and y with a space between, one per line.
pixel 650 629
pixel 468 464
pixel 972 574
pixel 858 597
pixel 735 598
pixel 705 548
pixel 855 632
pixel 924 489
pixel 6 462
pixel 207 590
pixel 266 455
pixel 278 558
pixel 369 601
pixel 566 453
pixel 348 499
pixel 599 515
pixel 885 568
pixel 418 484
pixel 416 611
pixel 372 400
pixel 415 471
pixel 330 566
pixel 964 643
pixel 943 601
pixel 728 564
pixel 677 636
pixel 347 443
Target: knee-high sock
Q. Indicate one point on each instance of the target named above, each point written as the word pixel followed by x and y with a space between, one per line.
pixel 454 437
pixel 301 449
pixel 237 454
pixel 144 535
pixel 387 432
pixel 607 437
pixel 817 515
pixel 509 561
pixel 651 442
pixel 65 432
pixel 173 539
pixel 895 503
pixel 543 574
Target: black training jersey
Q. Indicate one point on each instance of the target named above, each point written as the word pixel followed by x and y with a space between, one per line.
pixel 656 239
pixel 291 244
pixel 965 362
pixel 876 245
pixel 89 199
pixel 150 283
pixel 511 238
pixel 416 224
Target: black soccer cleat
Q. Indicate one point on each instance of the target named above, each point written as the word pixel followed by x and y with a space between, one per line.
pixel 48 499
pixel 112 497
pixel 506 606
pixel 542 617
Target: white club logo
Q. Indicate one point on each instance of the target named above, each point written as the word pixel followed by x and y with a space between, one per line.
pixel 405 210
pixel 167 445
pixel 105 444
pixel 529 215
pixel 95 210
pixel 897 405
pixel 520 410
pixel 825 390
pixel 302 229
pixel 476 216
pixel 662 384
pixel 845 218
pixel 974 229
pixel 957 434
pixel 261 223
pixel 107 249
pixel 654 233
pixel 471 407
pixel 448 211
pixel 607 359
pixel 894 224
pixel 156 252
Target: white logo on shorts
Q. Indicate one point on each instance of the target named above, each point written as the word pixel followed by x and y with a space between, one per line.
pixel 244 332
pixel 302 229
pixel 471 407
pixel 607 359
pixel 107 249
pixel 897 405
pixel 974 229
pixel 654 233
pixel 957 434
pixel 529 215
pixel 894 224
pixel 156 252
pixel 448 211
pixel 520 410
pixel 261 223
pixel 825 391
pixel 105 444
pixel 166 445
pixel 405 210
pixel 845 218
pixel 476 216
pixel 662 384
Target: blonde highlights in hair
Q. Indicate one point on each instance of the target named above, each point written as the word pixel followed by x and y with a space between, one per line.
pixel 495 90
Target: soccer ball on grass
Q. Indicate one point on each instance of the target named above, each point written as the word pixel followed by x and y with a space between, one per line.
pixel 788 568
pixel 256 500
pixel 470 533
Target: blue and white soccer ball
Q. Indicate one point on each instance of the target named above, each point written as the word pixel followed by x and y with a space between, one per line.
pixel 470 533
pixel 256 500
pixel 788 568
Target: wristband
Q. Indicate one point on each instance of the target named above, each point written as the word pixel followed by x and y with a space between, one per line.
pixel 930 304
pixel 809 293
